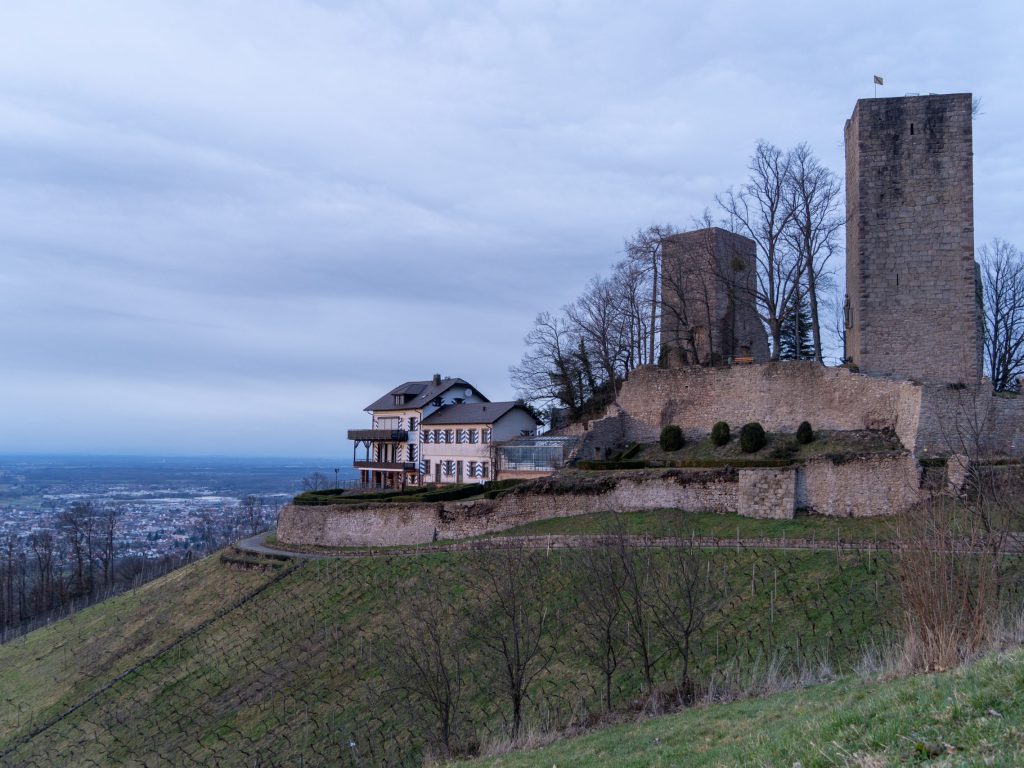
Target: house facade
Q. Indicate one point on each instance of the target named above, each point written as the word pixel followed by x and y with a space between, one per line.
pixel 457 442
pixel 437 431
pixel 391 446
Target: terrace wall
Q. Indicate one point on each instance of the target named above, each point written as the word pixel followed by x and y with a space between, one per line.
pixel 870 486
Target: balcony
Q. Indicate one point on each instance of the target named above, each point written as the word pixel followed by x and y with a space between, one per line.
pixel 386 466
pixel 378 435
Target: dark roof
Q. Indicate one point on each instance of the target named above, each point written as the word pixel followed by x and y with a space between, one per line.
pixel 418 394
pixel 472 413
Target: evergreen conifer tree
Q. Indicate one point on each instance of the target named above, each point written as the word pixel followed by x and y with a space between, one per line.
pixel 795 332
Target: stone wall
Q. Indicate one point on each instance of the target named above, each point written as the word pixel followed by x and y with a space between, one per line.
pixel 768 492
pixel 779 395
pixel 971 421
pixel 874 486
pixel 394 524
pixel 859 487
pixel 910 267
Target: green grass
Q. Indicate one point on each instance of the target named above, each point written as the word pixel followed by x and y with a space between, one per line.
pixel 44 672
pixel 972 716
pixel 672 522
pixel 302 668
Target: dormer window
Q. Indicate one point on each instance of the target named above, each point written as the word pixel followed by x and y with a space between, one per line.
pixel 399 399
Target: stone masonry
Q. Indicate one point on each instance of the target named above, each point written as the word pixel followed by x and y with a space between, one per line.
pixel 913 309
pixel 889 485
pixel 707 288
pixel 780 395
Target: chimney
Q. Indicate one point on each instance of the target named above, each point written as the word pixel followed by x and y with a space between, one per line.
pixel 437 379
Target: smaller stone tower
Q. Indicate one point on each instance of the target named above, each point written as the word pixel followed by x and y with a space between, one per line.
pixel 912 300
pixel 708 284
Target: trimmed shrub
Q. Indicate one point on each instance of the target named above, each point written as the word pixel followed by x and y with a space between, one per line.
pixel 720 433
pixel 804 433
pixel 752 437
pixel 671 438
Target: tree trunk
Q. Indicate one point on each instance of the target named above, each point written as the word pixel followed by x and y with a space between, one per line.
pixel 812 294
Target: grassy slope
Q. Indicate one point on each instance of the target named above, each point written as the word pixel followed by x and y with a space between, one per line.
pixel 669 522
pixel 942 719
pixel 296 672
pixel 44 672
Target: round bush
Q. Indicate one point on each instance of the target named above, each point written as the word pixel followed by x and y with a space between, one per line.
pixel 804 433
pixel 671 438
pixel 720 433
pixel 752 437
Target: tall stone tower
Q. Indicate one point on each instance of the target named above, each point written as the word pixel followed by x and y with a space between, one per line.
pixel 707 291
pixel 912 301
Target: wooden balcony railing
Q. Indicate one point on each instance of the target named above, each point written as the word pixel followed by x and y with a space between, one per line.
pixel 378 435
pixel 393 466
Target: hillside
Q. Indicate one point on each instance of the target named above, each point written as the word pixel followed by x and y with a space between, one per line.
pixel 47 671
pixel 971 716
pixel 299 666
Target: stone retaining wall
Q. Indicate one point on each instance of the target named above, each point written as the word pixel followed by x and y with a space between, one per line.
pixel 779 395
pixel 859 487
pixel 391 524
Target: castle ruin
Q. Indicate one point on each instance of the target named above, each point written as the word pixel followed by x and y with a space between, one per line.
pixel 913 308
pixel 708 316
pixel 914 323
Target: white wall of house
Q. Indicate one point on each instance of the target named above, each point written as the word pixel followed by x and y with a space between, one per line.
pixel 409 420
pixel 466 447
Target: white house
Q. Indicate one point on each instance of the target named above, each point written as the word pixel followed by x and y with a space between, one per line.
pixel 457 441
pixel 392 443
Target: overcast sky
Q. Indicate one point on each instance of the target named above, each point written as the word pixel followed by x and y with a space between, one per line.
pixel 226 227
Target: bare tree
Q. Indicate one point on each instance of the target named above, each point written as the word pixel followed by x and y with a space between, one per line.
pixel 680 604
pixel 762 211
pixel 637 583
pixel 512 624
pixel 644 251
pixel 602 620
pixel 597 319
pixel 631 294
pixel 108 549
pixel 1002 279
pixel 550 370
pixel 815 224
pixel 252 514
pixel 48 582
pixel 77 523
pixel 425 661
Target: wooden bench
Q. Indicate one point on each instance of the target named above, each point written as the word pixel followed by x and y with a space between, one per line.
pixel 743 361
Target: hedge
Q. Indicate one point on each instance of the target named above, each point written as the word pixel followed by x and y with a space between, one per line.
pixel 594 464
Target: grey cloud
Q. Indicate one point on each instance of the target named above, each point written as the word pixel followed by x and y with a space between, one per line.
pixel 227 228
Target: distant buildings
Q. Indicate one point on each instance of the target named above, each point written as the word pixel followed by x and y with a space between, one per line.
pixel 437 431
